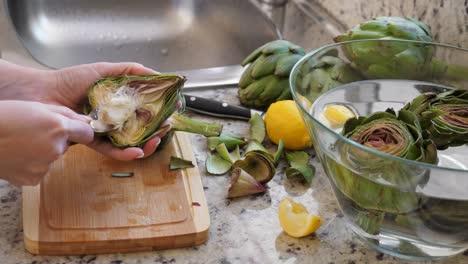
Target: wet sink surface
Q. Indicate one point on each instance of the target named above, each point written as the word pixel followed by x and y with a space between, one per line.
pixel 165 35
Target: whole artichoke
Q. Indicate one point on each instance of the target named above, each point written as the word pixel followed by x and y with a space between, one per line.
pixel 135 106
pixel 444 116
pixel 379 60
pixel 324 74
pixel 265 80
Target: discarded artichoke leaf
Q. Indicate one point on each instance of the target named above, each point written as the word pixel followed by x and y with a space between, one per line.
pixel 255 145
pixel 242 184
pixel 235 155
pixel 297 158
pixel 179 163
pixel 183 123
pixel 134 105
pixel 305 172
pixel 257 128
pixel 224 153
pixel 216 165
pixel 257 164
pixel 230 141
pixel 279 152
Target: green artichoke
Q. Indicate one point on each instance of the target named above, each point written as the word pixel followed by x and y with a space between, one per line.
pixel 265 80
pixel 395 135
pixel 326 73
pixel 444 116
pixel 378 185
pixel 386 60
pixel 135 106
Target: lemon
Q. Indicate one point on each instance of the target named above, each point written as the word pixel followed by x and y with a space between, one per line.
pixel 337 115
pixel 296 220
pixel 283 121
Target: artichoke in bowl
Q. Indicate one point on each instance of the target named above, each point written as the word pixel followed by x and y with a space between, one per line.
pixel 398 135
pixel 135 107
pixel 265 80
pixel 386 60
pixel 375 184
pixel 444 116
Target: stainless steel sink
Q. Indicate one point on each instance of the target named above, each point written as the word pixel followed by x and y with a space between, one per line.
pixel 167 35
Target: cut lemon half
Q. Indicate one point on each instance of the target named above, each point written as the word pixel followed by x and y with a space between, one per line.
pixel 296 220
pixel 337 115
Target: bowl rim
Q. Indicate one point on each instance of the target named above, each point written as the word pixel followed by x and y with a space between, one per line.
pixel 307 56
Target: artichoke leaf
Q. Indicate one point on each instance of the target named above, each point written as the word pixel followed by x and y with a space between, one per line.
pixel 257 128
pixel 179 163
pixel 216 165
pixel 242 184
pixel 257 164
pixel 299 167
pixel 224 153
pixel 230 141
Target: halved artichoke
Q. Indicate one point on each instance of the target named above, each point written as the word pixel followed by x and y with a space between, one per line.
pixel 135 105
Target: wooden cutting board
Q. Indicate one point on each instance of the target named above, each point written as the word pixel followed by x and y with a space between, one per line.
pixel 79 208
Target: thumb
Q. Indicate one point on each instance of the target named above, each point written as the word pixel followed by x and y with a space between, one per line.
pixel 78 131
pixel 67 112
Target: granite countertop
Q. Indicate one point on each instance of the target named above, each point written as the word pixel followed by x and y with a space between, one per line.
pixel 244 230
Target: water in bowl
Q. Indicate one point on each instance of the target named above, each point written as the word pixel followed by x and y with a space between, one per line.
pixel 423 217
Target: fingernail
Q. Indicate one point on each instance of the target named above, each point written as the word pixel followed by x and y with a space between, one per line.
pixel 157 141
pixel 141 155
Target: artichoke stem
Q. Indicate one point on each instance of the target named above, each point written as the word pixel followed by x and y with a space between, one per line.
pixel 184 123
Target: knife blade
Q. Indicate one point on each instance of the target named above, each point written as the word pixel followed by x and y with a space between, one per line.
pixel 212 78
pixel 217 108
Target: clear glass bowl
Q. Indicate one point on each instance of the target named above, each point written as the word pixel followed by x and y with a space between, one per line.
pixel 405 208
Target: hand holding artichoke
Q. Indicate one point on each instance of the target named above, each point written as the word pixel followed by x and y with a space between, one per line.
pixel 136 106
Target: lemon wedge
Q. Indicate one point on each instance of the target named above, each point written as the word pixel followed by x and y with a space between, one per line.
pixel 296 220
pixel 337 115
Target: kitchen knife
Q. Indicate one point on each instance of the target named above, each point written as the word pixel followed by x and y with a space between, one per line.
pixel 212 78
pixel 218 109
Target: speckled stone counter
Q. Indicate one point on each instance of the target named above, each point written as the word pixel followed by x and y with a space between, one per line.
pixel 247 230
pixel 244 230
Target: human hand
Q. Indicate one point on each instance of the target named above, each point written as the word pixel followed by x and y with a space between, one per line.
pixel 33 135
pixel 71 89
pixel 68 87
